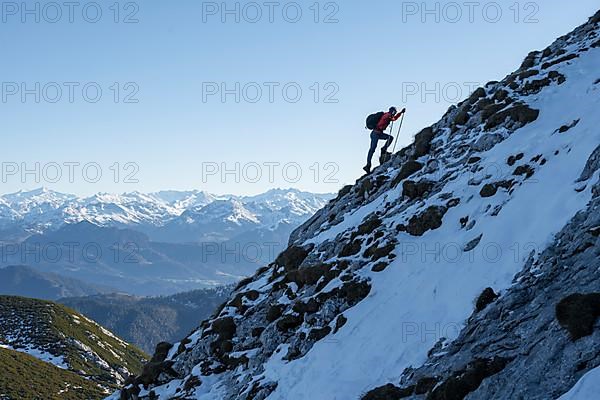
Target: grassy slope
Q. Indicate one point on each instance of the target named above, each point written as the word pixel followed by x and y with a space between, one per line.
pixel 24 377
pixel 58 326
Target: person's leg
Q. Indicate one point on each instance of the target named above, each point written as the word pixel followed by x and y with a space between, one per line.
pixel 373 147
pixel 388 141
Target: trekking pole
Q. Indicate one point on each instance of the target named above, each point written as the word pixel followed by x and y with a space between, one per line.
pixel 398 134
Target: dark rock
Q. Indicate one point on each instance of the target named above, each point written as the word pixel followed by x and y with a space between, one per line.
pixel 182 345
pixel 520 113
pixel 424 385
pixel 513 159
pixel 526 170
pixel 375 252
pixel 409 168
pixel 473 160
pixel 488 190
pixel 317 334
pixel 311 306
pixel 429 219
pixel 530 60
pixel 256 332
pixel 379 267
pixel 491 110
pixel 423 142
pixel 473 243
pixel 461 383
pixel 414 190
pixel 476 95
pixel 340 322
pixel 369 225
pixel 528 74
pixel 224 327
pixel 292 257
pixel 387 392
pixel 560 60
pixel 289 321
pixel 157 365
pixel 578 313
pixel 453 202
pixel 462 118
pixel 485 298
pixel 354 291
pixel 565 128
pixel 161 352
pixel 500 96
pixel 351 248
pixel 311 274
pixel 344 191
pixel 191 383
pixel 274 312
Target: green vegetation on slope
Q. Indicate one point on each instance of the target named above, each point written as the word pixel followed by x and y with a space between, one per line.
pixel 24 377
pixel 89 350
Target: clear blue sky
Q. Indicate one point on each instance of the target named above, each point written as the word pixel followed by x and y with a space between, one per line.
pixel 373 53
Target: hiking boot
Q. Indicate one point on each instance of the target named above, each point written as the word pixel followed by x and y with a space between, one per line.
pixel 384 157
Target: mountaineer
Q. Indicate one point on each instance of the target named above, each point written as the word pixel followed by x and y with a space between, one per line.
pixel 378 123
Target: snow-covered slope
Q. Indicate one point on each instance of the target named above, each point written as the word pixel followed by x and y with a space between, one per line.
pixel 385 279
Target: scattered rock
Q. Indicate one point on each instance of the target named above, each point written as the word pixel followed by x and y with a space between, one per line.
pixel 274 312
pixel 560 60
pixel 488 190
pixel 526 170
pixel 379 267
pixel 461 383
pixel 429 219
pixel 409 168
pixel 355 291
pixel 513 159
pixel 486 297
pixel 339 323
pixel 292 257
pixel 224 327
pixel 577 313
pixel 351 248
pixel 317 334
pixel 424 385
pixel 414 190
pixel 473 243
pixel 423 142
pixel 520 113
pixel 387 392
pixel 565 128
pixel 289 321
pixel 369 225
pixel 461 118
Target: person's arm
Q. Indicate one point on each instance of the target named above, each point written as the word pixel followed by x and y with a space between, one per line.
pixel 397 116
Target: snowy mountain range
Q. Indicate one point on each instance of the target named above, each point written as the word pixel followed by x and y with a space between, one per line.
pixel 146 244
pixel 466 267
pixel 161 213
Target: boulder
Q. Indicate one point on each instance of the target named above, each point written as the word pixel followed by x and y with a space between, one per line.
pixel 429 219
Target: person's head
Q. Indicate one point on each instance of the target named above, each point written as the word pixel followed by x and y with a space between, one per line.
pixel 393 110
